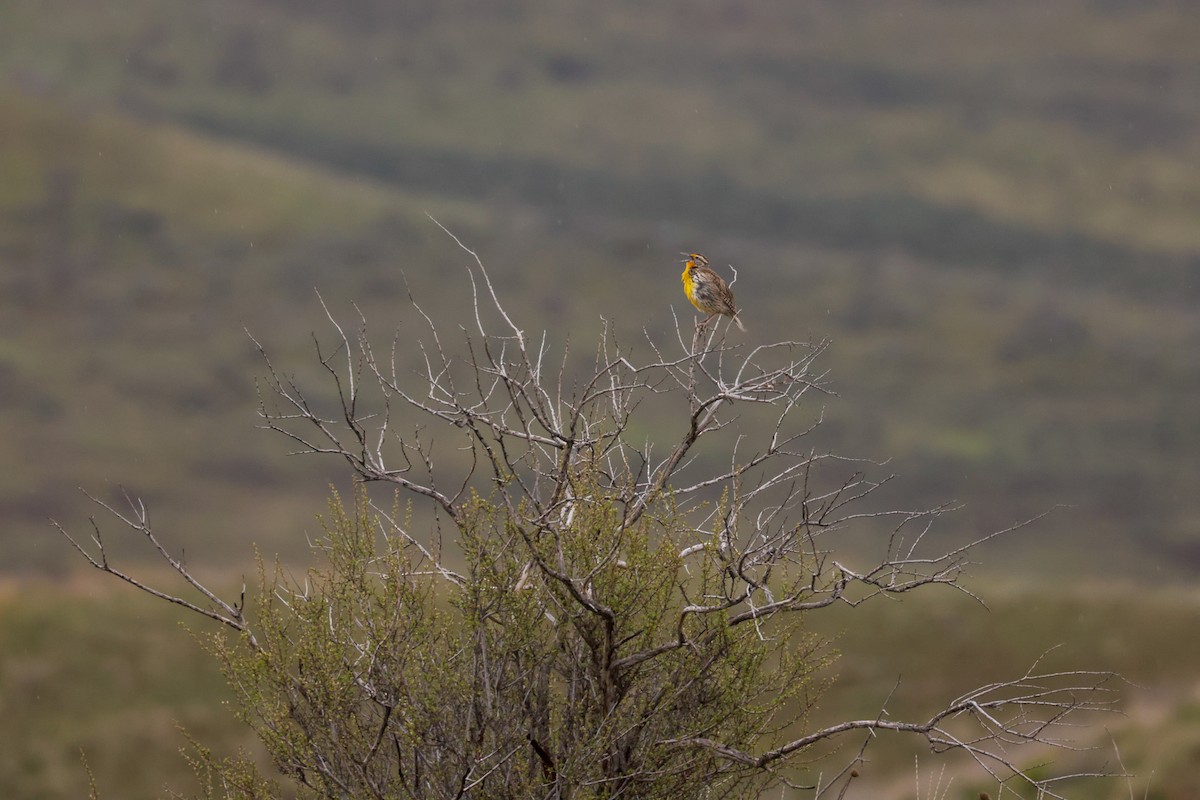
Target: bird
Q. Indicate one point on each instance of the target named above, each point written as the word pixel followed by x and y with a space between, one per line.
pixel 707 290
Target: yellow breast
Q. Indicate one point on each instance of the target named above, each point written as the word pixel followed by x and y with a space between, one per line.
pixel 689 288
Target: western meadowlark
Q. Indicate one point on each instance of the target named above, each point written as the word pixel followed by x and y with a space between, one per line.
pixel 707 291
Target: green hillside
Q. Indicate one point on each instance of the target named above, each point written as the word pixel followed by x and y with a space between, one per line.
pixel 989 208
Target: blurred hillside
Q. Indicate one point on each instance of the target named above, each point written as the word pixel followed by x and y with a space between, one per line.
pixel 990 208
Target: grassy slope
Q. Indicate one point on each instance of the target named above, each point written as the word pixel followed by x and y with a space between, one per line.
pixel 133 255
pixel 1060 119
pixel 989 209
pixel 833 151
pixel 88 672
pixel 933 645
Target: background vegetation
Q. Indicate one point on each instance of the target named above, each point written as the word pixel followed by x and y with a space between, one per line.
pixel 988 207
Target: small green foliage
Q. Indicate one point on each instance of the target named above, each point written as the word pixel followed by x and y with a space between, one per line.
pixel 378 676
pixel 228 777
